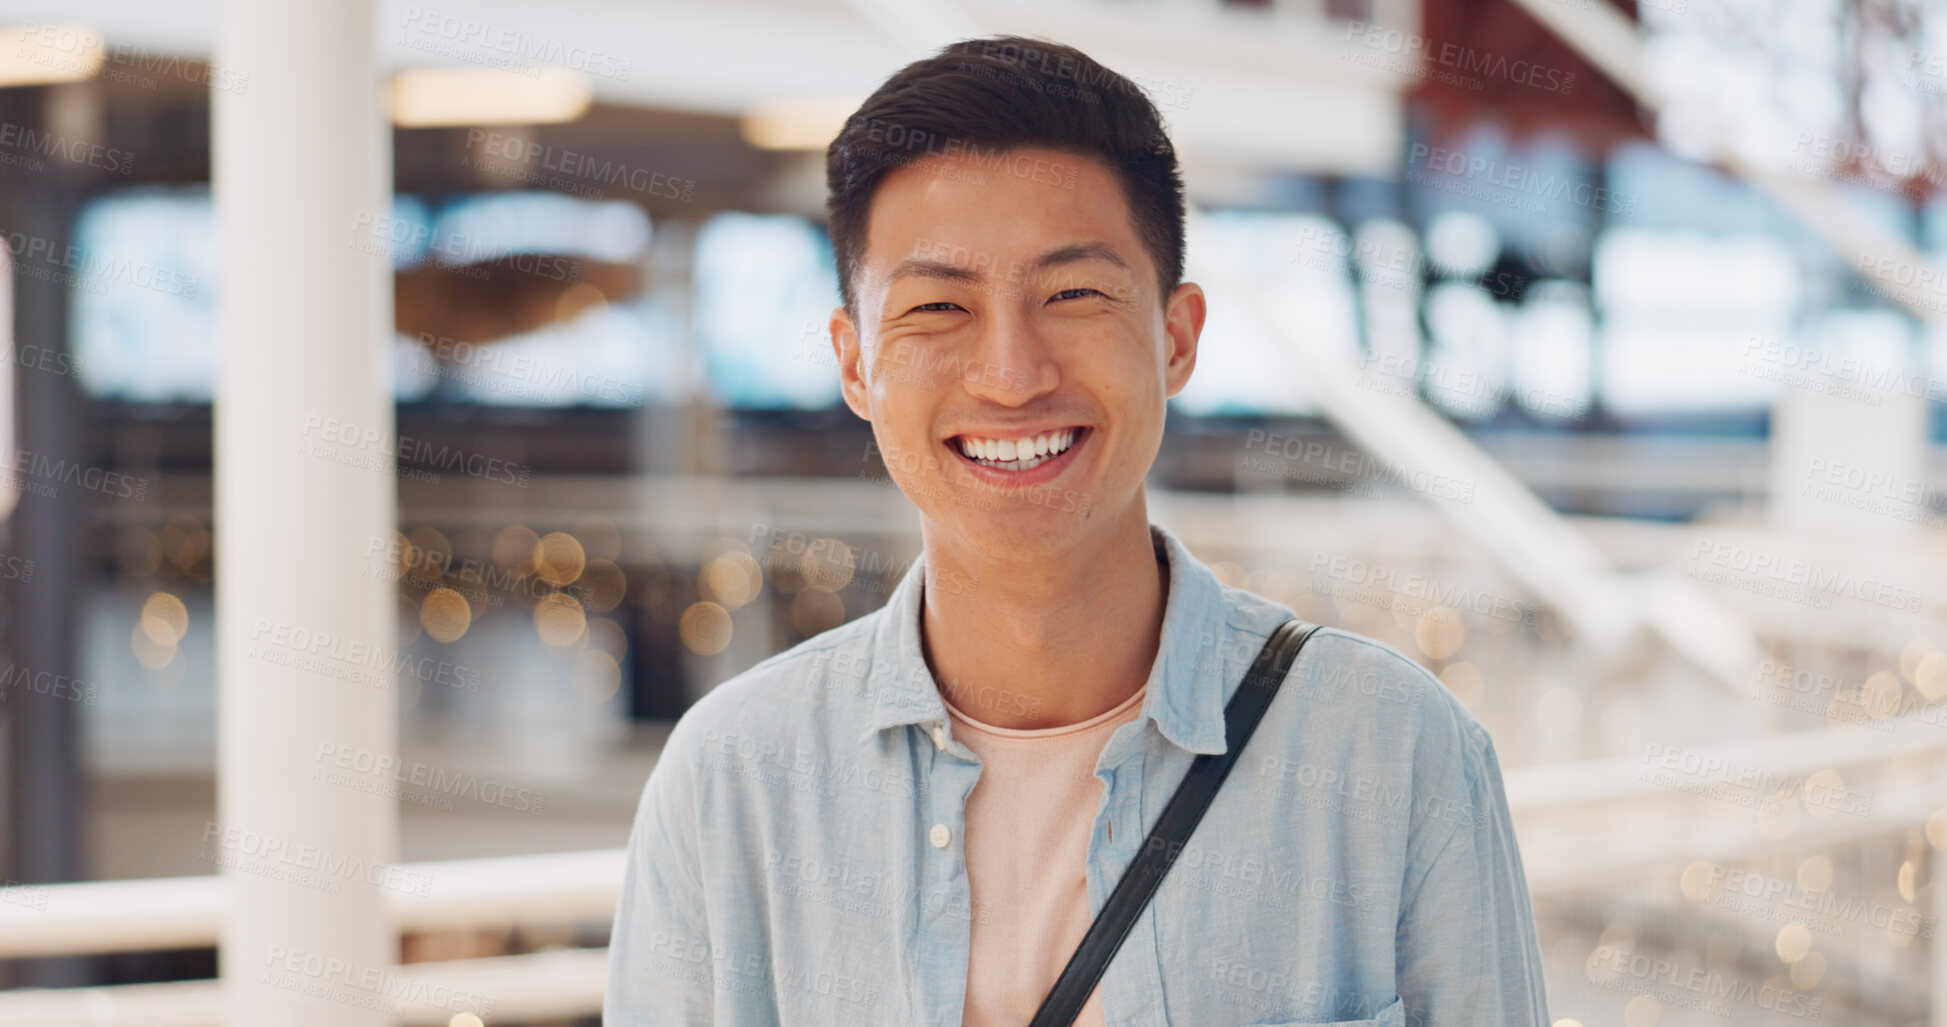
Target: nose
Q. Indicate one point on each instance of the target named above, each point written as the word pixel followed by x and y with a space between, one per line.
pixel 1009 363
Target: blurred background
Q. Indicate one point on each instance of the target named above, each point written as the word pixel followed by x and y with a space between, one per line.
pixel 1589 352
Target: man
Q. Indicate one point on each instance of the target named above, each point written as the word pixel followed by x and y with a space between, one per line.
pixel 912 818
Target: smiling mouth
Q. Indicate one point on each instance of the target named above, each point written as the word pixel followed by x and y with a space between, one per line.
pixel 1017 454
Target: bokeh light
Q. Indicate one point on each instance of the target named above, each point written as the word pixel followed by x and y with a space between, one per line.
pixel 705 628
pixel 445 615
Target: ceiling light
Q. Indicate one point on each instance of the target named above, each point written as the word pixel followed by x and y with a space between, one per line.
pixel 35 54
pixel 798 122
pixel 444 97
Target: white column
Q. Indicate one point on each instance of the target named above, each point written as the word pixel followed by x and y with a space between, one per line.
pixel 304 430
pixel 1937 954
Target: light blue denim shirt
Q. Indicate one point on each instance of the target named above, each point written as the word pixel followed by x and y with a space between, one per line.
pixel 796 858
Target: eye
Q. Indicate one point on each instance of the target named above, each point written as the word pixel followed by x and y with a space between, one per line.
pixel 1067 294
pixel 931 308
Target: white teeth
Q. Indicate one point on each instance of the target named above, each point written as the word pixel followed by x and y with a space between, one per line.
pixel 1017 454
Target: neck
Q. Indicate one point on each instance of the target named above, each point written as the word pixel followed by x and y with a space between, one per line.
pixel 1045 641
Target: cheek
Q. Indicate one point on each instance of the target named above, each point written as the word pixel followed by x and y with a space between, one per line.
pixel 1127 374
pixel 902 406
pixel 902 415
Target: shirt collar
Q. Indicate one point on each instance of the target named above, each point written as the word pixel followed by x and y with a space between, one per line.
pixel 1186 684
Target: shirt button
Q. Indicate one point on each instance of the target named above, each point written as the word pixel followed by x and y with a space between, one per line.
pixel 940 836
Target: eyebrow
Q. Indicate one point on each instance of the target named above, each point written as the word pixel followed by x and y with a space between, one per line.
pixel 914 268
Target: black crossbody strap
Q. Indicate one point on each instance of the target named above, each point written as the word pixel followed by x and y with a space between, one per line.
pixel 1173 828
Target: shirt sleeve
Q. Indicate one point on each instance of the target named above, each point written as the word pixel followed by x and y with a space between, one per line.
pixel 660 961
pixel 1467 952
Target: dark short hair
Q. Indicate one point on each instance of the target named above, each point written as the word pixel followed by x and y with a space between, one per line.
pixel 991 96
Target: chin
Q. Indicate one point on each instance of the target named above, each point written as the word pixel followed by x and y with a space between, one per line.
pixel 1013 528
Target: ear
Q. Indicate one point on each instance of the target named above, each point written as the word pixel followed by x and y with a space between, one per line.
pixel 1182 326
pixel 851 367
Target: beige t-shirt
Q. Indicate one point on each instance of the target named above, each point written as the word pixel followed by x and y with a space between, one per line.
pixel 1026 839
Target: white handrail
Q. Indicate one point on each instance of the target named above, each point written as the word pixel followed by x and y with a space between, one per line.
pixel 538 986
pixel 186 912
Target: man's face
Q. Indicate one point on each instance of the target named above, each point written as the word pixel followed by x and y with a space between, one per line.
pixel 1011 349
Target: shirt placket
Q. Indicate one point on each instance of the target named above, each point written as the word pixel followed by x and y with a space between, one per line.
pixel 951 771
pixel 1132 986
